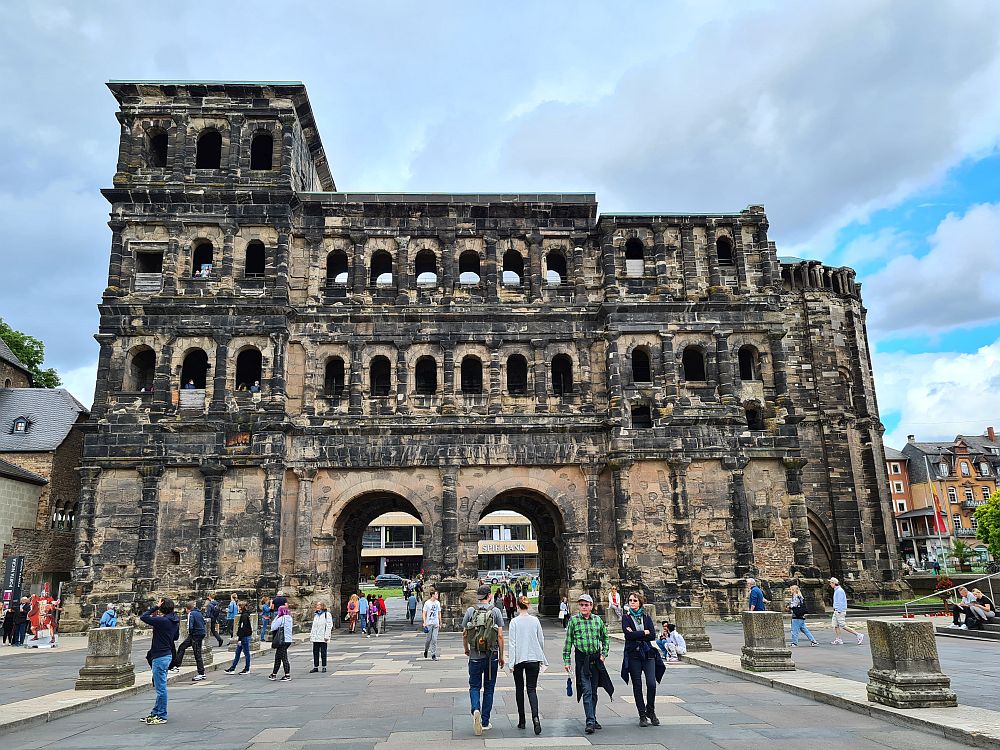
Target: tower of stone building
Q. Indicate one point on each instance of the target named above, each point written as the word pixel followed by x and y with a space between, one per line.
pixel 670 406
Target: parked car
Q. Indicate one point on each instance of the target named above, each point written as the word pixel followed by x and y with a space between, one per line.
pixel 496 576
pixel 389 580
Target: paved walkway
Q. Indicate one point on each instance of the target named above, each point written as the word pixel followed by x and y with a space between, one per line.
pixel 381 693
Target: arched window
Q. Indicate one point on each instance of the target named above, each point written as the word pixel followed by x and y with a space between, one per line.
pixel 562 375
pixel 194 369
pixel 693 364
pixel 555 265
pixel 141 369
pixel 381 269
pixel 749 361
pixel 333 378
pixel 255 261
pixel 635 258
pixel 468 267
pixel 6 383
pixel 157 154
pixel 513 268
pixel 724 251
pixel 336 268
pixel 380 376
pixel 202 260
pixel 641 371
pixel 425 268
pixel 755 417
pixel 426 376
pixel 472 375
pixel 209 155
pixel 248 369
pixel 262 151
pixel 517 375
pixel 642 418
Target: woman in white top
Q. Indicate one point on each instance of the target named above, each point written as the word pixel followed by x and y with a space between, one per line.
pixel 614 603
pixel 319 635
pixel 525 650
pixel 282 622
pixel 564 612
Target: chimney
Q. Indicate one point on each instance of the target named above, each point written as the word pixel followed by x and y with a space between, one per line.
pixel 913 439
pixel 991 434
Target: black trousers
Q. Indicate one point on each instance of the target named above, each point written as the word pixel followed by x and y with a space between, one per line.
pixel 526 671
pixel 638 668
pixel 281 659
pixel 194 642
pixel 214 630
pixel 319 652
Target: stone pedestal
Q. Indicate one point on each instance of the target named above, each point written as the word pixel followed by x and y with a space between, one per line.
pixel 454 601
pixel 206 644
pixel 764 648
pixel 108 665
pixel 690 623
pixel 254 639
pixel 905 669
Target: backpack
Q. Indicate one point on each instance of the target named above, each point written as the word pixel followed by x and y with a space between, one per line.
pixel 800 611
pixel 482 631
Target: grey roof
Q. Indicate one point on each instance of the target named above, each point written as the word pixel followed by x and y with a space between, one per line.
pixel 891 454
pixel 11 471
pixel 8 356
pixel 980 443
pixel 51 414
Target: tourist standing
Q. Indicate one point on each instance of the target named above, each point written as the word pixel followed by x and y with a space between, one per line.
pixel 526 651
pixel 8 624
pixel 280 600
pixel 755 600
pixel 614 603
pixel 194 640
pixel 352 612
pixel 166 628
pixel 564 612
pixel 244 634
pixel 372 616
pixel 110 618
pixel 21 620
pixel 212 613
pixel 641 659
pixel 411 606
pixel 431 617
pixel 587 637
pixel 319 635
pixel 266 613
pixel 482 637
pixel 363 614
pixel 797 606
pixel 232 614
pixel 281 639
pixel 382 610
pixel 509 603
pixel 840 614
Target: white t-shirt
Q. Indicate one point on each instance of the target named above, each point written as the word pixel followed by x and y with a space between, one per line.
pixel 432 611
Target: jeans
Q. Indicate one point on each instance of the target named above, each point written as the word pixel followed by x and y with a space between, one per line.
pixel 529 670
pixel 319 652
pixel 483 675
pixel 194 642
pixel 588 685
pixel 265 626
pixel 20 631
pixel 637 668
pixel 160 666
pixel 281 659
pixel 431 641
pixel 799 626
pixel 243 647
pixel 411 613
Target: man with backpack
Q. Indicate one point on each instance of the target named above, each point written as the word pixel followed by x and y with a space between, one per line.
pixel 482 636
pixel 212 615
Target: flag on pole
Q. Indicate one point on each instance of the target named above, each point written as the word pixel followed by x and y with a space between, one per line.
pixel 940 519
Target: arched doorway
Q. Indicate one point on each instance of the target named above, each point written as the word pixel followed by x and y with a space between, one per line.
pixel 822 549
pixel 545 549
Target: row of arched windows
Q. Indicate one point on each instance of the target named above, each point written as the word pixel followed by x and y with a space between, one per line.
pixel 694 365
pixel 203 259
pixel 635 255
pixel 141 369
pixel 208 152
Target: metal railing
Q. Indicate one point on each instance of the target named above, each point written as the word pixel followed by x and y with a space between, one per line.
pixel 938 594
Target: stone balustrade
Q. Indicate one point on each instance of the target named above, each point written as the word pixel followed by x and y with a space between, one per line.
pixel 764 648
pixel 108 665
pixel 906 672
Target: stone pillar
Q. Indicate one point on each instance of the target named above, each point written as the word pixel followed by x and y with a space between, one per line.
pixel 540 371
pixel 86 512
pixel 220 374
pixel 309 380
pixel 690 283
pixel 448 364
pixel 579 240
pixel 449 520
pixel 905 669
pixel 724 367
pixel 280 344
pixel 714 274
pixel 171 260
pixel 623 527
pixel 358 265
pixel 403 271
pixel 354 406
pixel 584 377
pixel 117 254
pixel 617 407
pixel 739 508
pixel 608 267
pixel 739 256
pixel 660 258
pixel 226 275
pixel 108 665
pixel 802 557
pixel 690 623
pixel 495 389
pixel 304 517
pixel 402 380
pixel 149 512
pixel 535 267
pixel 448 276
pixel 668 365
pixel 271 512
pixel 595 535
pixel 492 283
pixel 207 656
pixel 208 548
pixel 764 648
pixel 106 340
pixel 163 377
pixel 281 253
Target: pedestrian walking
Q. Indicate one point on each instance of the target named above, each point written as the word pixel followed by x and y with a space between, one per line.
pixel 166 629
pixel 587 639
pixel 534 584
pixel 244 634
pixel 431 617
pixel 382 611
pixel 194 640
pixel 419 588
pixel 509 603
pixel 411 606
pixel 319 635
pixel 373 614
pixel 755 598
pixel 839 619
pixel 614 603
pixel 564 612
pixel 212 614
pixel 232 614
pixel 363 614
pixel 526 652
pixel 352 612
pixel 266 614
pixel 482 637
pixel 797 606
pixel 641 658
pixel 281 639
pixel 110 618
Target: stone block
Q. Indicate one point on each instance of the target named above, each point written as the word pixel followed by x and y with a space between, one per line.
pixel 690 623
pixel 905 669
pixel 207 656
pixel 254 639
pixel 108 665
pixel 764 648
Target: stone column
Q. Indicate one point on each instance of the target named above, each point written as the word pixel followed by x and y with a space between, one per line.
pixel 271 526
pixel 402 379
pixel 220 374
pixel 905 669
pixel 354 406
pixel 608 267
pixel 163 377
pixel 535 267
pixel 171 261
pixel 739 255
pixel 287 146
pixel 764 648
pixel 495 388
pixel 149 512
pixel 448 364
pixel 714 274
pixel 304 516
pixel 579 241
pixel 403 271
pixel 802 552
pixel 281 253
pixel 358 271
pixel 491 270
pixel 595 534
pixel 690 283
pixel 540 372
pixel 660 258
pixel 117 255
pixel 623 526
pixel 724 367
pixel 613 367
pixel 739 508
pixel 668 367
pixel 106 340
pixel 108 665
pixel 280 344
pixel 447 280
pixel 86 511
pixel 449 520
pixel 226 274
pixel 208 548
pixel 690 622
pixel 309 379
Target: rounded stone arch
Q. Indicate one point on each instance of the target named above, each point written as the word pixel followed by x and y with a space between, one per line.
pixel 823 545
pixel 140 368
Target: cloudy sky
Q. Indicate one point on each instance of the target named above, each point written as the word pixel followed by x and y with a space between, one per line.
pixel 870 130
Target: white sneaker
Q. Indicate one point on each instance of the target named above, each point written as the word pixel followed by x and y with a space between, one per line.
pixel 487 726
pixel 963 626
pixel 861 638
pixel 198 678
pixel 477 723
pixel 174 670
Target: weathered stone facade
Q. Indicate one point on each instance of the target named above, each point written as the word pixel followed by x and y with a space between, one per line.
pixel 671 406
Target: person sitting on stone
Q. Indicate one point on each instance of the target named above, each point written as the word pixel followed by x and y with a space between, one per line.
pixel 983 608
pixel 671 642
pixel 964 609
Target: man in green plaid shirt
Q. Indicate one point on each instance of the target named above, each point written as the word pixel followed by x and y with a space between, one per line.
pixel 588 636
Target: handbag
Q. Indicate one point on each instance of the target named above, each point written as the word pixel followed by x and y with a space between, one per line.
pixel 278 638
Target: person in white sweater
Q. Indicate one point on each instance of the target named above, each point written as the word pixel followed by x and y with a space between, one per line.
pixel 526 652
pixel 319 635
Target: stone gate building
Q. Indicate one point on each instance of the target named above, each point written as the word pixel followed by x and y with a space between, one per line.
pixel 671 405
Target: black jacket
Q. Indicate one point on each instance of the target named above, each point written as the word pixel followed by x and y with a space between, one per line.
pixel 21 614
pixel 599 678
pixel 244 628
pixel 196 623
pixel 166 629
pixel 639 645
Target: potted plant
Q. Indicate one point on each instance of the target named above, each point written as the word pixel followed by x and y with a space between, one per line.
pixel 964 554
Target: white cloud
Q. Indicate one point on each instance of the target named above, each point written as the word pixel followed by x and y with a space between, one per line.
pixel 80 381
pixel 868 248
pixel 953 285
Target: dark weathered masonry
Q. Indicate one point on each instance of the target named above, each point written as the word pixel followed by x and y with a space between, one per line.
pixel 669 404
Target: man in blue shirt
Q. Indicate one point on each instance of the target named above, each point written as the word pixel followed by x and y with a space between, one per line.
pixel 840 614
pixel 757 601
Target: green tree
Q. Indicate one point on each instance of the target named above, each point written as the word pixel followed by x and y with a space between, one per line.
pixel 988 524
pixel 31 352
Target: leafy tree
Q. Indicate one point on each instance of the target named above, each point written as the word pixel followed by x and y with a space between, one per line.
pixel 988 524
pixel 31 352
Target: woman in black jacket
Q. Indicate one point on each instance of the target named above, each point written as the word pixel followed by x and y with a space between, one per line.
pixel 244 632
pixel 642 659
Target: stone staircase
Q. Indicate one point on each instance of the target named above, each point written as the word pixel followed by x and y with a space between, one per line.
pixel 893 610
pixel 988 633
